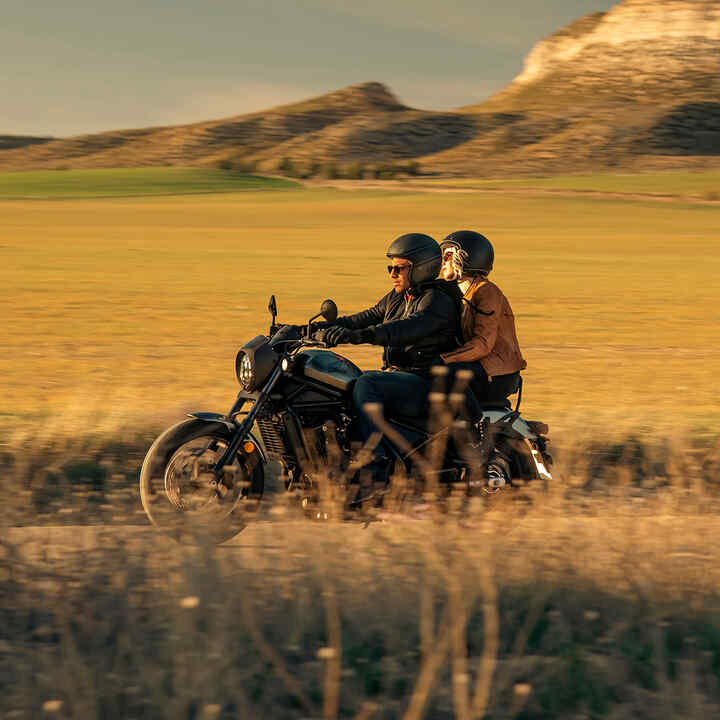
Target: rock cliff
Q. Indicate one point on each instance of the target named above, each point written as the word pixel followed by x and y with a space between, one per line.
pixel 637 87
pixel 638 50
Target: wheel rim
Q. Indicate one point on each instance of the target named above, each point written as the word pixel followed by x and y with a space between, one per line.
pixel 190 482
pixel 498 469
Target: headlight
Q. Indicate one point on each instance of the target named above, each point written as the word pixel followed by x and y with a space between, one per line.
pixel 254 363
pixel 245 372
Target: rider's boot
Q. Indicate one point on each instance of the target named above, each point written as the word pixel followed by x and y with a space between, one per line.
pixel 372 484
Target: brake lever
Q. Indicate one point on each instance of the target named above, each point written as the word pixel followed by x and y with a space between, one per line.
pixel 315 343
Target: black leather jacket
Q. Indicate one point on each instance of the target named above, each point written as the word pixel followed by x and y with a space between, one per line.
pixel 414 326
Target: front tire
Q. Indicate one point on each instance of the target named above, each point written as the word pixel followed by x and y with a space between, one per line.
pixel 176 490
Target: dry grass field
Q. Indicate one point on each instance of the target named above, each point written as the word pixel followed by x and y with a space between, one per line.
pixel 599 599
pixel 133 307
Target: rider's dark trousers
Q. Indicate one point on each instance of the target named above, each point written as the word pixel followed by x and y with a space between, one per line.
pixel 481 388
pixel 399 393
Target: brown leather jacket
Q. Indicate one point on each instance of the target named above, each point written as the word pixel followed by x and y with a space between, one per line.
pixel 488 326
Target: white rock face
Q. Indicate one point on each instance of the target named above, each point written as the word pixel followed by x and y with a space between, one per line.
pixel 645 36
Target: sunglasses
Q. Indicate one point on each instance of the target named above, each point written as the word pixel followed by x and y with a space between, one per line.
pixel 398 269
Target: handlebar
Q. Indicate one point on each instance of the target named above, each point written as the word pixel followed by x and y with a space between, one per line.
pixel 294 334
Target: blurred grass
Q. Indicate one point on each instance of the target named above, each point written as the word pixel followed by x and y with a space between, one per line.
pixel 134 308
pixel 611 612
pixel 127 182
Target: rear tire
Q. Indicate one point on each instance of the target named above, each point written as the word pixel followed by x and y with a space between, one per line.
pixel 175 485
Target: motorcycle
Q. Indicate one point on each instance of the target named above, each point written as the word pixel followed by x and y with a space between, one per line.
pixel 205 476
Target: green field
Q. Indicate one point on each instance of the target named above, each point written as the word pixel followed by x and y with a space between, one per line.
pixel 134 307
pixel 128 182
pixel 705 185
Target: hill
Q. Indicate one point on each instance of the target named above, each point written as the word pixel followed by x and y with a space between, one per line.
pixel 635 88
pixel 360 123
pixel 8 142
pixel 207 142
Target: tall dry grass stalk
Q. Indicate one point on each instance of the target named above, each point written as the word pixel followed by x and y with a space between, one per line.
pixel 567 599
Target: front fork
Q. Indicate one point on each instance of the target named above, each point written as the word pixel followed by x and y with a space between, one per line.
pixel 244 428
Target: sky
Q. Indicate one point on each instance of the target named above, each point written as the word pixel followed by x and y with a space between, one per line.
pixel 81 66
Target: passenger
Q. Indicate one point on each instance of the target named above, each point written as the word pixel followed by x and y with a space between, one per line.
pixel 490 350
pixel 416 321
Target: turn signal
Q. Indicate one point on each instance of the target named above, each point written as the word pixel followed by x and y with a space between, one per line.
pixel 249 447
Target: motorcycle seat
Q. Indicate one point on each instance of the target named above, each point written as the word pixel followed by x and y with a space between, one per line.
pixel 496 404
pixel 421 423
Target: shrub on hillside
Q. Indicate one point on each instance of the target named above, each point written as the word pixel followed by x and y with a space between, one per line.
pixel 238 165
pixel 413 168
pixel 388 171
pixel 287 167
pixel 355 172
pixel 315 168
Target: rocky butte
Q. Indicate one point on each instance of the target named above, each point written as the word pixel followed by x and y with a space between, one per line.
pixel 638 49
pixel 637 87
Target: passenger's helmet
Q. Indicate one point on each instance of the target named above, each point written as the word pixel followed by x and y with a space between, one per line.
pixel 422 251
pixel 476 251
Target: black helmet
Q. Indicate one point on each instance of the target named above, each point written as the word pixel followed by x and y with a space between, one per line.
pixel 422 251
pixel 477 251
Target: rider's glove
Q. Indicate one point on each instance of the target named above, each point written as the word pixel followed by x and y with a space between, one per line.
pixel 343 336
pixel 336 335
pixel 322 325
pixel 358 337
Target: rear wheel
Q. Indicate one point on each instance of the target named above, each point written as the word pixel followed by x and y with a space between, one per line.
pixel 178 488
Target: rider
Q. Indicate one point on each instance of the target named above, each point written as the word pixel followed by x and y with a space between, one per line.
pixel 416 321
pixel 491 350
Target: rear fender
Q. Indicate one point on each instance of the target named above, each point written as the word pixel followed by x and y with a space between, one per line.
pixel 520 430
pixel 517 428
pixel 230 425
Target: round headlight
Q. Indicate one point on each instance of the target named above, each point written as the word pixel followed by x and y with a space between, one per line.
pixel 285 364
pixel 245 372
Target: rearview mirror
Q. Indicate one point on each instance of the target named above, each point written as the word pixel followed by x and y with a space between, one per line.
pixel 272 306
pixel 329 310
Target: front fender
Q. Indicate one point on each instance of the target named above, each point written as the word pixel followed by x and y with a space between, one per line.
pixel 233 426
pixel 214 417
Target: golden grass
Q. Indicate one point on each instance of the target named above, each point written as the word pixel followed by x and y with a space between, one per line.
pixel 136 307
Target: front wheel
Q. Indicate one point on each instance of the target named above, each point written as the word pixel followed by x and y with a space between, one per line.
pixel 177 485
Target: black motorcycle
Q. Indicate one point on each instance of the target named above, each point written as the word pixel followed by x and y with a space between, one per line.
pixel 206 475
